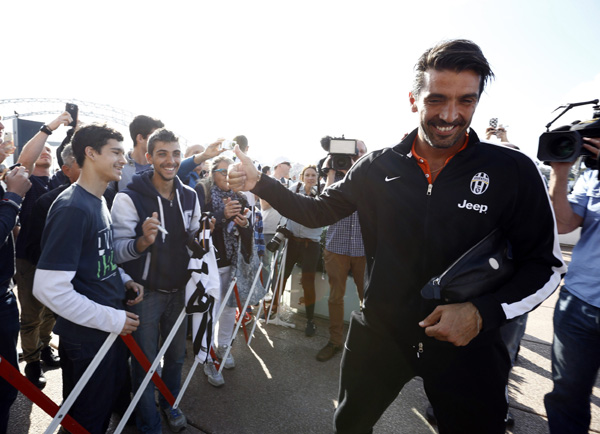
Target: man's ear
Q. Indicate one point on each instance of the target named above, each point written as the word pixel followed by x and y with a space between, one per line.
pixel 90 152
pixel 149 158
pixel 139 139
pixel 413 102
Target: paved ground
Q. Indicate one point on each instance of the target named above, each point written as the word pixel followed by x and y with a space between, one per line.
pixel 278 387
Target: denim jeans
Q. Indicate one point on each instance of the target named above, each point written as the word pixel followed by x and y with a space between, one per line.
pixel 512 333
pixel 9 332
pixel 158 313
pixel 575 363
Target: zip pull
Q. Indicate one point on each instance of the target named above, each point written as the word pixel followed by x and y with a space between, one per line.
pixel 429 188
pixel 420 350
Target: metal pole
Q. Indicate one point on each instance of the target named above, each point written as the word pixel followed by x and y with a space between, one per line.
pixel 150 372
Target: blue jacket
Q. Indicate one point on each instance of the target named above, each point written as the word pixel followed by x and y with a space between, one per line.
pixel 10 205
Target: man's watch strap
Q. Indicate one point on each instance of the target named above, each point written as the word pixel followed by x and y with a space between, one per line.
pixel 45 129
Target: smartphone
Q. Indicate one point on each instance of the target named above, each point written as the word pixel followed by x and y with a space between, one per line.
pixel 494 123
pixel 228 144
pixel 8 136
pixel 73 110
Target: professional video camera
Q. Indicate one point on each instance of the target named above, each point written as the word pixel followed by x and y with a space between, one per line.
pixel 281 233
pixel 566 143
pixel 341 151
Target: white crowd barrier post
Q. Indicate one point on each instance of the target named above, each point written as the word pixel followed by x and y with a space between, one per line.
pixel 150 372
pixel 241 317
pixel 281 279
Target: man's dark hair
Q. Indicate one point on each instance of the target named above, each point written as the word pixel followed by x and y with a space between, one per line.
pixel 242 141
pixel 143 125
pixel 161 135
pixel 93 135
pixel 266 169
pixel 456 55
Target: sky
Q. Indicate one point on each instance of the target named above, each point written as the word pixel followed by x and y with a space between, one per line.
pixel 286 73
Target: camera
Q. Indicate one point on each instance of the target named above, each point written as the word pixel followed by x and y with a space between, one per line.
pixel 341 150
pixel 228 144
pixel 281 233
pixel 565 144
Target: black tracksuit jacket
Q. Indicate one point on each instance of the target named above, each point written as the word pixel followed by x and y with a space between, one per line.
pixel 413 231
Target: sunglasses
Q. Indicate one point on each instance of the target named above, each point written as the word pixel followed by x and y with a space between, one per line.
pixel 221 171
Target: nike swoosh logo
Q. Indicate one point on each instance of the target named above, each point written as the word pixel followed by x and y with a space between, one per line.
pixel 388 179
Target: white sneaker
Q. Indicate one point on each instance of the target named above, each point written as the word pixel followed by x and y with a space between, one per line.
pixel 229 363
pixel 214 377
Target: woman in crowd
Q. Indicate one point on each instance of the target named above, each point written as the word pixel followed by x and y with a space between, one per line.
pixel 232 227
pixel 304 247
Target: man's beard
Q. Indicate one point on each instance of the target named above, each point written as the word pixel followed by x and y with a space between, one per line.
pixel 446 142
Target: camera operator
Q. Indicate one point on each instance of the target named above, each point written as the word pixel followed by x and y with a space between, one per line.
pixel 344 252
pixel 576 343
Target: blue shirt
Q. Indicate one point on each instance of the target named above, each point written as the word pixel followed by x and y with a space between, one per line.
pixel 583 277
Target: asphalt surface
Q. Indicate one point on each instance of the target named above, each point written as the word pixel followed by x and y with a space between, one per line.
pixel 279 387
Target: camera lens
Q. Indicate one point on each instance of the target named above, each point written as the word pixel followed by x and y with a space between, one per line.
pixel 342 162
pixel 562 148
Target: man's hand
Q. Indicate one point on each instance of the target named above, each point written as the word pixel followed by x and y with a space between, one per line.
pixel 242 176
pixel 213 150
pixel 132 322
pixel 64 119
pixel 455 323
pixel 149 230
pixel 139 289
pixel 592 145
pixel 17 181
pixel 489 132
pixel 501 134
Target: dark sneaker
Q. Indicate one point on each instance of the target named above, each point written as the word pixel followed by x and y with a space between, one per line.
pixel 50 359
pixel 510 420
pixel 328 351
pixel 175 419
pixel 34 373
pixel 311 328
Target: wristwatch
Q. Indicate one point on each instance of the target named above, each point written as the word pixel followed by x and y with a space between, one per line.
pixel 45 129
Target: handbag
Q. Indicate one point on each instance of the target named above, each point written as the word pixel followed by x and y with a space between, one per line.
pixel 483 269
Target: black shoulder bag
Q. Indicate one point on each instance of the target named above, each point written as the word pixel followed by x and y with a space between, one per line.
pixel 483 269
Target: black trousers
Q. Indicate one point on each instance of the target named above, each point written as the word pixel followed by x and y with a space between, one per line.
pixel 465 385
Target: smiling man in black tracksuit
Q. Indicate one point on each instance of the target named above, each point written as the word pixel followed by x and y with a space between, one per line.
pixel 421 205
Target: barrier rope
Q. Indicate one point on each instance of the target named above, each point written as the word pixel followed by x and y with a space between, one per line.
pixel 35 395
